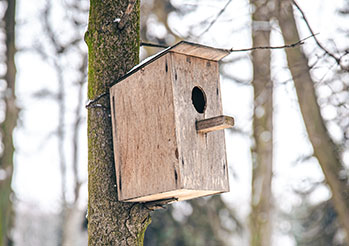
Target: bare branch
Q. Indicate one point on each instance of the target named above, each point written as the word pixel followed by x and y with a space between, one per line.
pixel 90 102
pixel 153 45
pixel 216 18
pixel 159 204
pixel 300 42
pixel 338 59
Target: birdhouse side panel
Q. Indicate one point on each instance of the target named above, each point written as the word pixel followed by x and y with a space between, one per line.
pixel 144 132
pixel 197 96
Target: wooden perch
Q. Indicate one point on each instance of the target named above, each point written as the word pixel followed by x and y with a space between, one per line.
pixel 214 124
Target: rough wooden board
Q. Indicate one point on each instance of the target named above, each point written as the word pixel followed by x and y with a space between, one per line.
pixel 197 50
pixel 202 157
pixel 214 124
pixel 185 48
pixel 182 194
pixel 158 152
pixel 145 140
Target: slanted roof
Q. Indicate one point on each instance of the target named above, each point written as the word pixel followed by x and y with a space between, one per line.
pixel 185 48
pixel 198 50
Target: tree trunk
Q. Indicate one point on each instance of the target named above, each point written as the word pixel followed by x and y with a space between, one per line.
pixel 7 127
pixel 262 150
pixel 112 52
pixel 324 149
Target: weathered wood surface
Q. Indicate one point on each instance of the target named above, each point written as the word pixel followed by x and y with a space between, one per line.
pixel 180 194
pixel 158 152
pixel 205 52
pixel 184 48
pixel 202 158
pixel 214 124
pixel 145 146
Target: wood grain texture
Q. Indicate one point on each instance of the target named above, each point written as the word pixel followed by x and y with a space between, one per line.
pixel 202 157
pixel 158 152
pixel 201 51
pixel 214 124
pixel 145 146
pixel 181 194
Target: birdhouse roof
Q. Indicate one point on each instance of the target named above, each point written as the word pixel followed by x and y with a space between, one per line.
pixel 185 48
pixel 198 50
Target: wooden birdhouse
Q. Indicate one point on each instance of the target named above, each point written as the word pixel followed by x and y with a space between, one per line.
pixel 167 116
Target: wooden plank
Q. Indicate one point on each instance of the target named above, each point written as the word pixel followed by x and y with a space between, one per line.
pixel 158 152
pixel 145 144
pixel 184 48
pixel 180 194
pixel 214 124
pixel 202 157
pixel 198 50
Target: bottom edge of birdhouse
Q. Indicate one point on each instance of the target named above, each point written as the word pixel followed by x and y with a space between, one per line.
pixel 177 195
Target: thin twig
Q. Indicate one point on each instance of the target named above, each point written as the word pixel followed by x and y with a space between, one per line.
pixel 153 45
pixel 159 204
pixel 216 18
pixel 99 106
pixel 338 60
pixel 90 102
pixel 300 42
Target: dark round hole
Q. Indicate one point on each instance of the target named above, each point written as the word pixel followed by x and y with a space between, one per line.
pixel 198 98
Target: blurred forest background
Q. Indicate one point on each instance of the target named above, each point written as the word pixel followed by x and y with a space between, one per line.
pixel 288 154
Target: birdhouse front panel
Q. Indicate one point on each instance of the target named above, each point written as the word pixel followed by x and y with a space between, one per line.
pixel 197 96
pixel 166 114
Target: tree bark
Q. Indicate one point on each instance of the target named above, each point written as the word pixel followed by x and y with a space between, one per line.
pixel 262 150
pixel 324 148
pixel 7 126
pixel 112 52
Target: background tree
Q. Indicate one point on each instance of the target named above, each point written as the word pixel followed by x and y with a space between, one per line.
pixel 315 224
pixel 54 50
pixel 9 121
pixel 324 148
pixel 154 16
pixel 262 147
pixel 202 221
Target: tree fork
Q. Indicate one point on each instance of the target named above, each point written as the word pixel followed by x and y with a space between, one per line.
pixel 112 51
